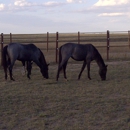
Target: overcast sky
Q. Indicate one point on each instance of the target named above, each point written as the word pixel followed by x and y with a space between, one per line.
pixel 41 16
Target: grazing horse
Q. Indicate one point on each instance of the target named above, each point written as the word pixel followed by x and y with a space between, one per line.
pixel 80 52
pixel 25 53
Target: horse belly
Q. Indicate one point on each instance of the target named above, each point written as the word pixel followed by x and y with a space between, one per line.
pixel 24 56
pixel 79 53
pixel 78 57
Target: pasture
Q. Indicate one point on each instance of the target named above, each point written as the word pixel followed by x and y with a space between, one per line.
pixel 40 104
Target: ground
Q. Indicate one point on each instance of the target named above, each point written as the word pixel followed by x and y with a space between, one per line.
pixel 40 104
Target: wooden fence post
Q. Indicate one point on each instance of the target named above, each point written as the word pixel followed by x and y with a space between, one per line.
pixel 47 40
pixel 78 37
pixel 10 38
pixel 2 41
pixel 57 36
pixel 108 44
pixel 129 38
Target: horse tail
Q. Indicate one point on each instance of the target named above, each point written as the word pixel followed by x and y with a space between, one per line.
pixel 60 56
pixel 4 58
pixel 59 66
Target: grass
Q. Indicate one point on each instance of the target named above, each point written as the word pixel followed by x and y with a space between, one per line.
pixel 39 104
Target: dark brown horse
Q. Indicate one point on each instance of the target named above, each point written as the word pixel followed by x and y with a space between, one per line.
pixel 24 53
pixel 80 52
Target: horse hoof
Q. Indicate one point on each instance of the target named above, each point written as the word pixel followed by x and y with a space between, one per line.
pixel 66 80
pixel 28 77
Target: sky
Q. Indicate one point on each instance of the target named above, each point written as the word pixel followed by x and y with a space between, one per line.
pixel 65 16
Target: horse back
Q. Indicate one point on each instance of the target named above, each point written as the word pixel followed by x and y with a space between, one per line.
pixel 22 51
pixel 79 52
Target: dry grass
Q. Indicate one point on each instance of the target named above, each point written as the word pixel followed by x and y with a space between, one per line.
pixel 39 104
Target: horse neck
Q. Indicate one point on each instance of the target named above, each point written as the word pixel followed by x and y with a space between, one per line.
pixel 100 61
pixel 43 60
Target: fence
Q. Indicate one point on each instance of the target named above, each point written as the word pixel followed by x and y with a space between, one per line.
pixel 108 43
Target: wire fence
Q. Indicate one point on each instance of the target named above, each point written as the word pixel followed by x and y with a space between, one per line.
pixel 112 45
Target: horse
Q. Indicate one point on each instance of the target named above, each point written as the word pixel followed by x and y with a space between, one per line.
pixel 26 53
pixel 80 52
pixel 27 65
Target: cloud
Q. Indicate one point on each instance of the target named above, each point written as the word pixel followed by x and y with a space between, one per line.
pixel 111 14
pixel 72 1
pixel 52 3
pixel 111 2
pixel 111 8
pixel 2 6
pixel 22 3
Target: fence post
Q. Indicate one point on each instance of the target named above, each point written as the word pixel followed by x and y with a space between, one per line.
pixel 2 41
pixel 129 38
pixel 57 36
pixel 10 38
pixel 47 40
pixel 78 37
pixel 108 44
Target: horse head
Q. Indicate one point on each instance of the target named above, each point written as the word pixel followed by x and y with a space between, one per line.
pixel 45 71
pixel 102 72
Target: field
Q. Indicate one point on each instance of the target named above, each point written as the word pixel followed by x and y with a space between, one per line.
pixel 44 104
pixel 40 104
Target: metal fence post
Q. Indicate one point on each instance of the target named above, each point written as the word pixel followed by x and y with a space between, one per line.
pixel 47 40
pixel 10 37
pixel 57 36
pixel 108 44
pixel 78 37
pixel 2 41
pixel 129 38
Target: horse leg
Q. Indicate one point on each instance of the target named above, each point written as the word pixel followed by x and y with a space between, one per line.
pixel 82 69
pixel 23 71
pixel 10 71
pixel 29 67
pixel 24 68
pixel 5 70
pixel 88 67
pixel 64 69
pixel 61 65
pixel 59 69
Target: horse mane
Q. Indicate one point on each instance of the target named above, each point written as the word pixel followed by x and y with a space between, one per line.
pixel 42 58
pixel 98 57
